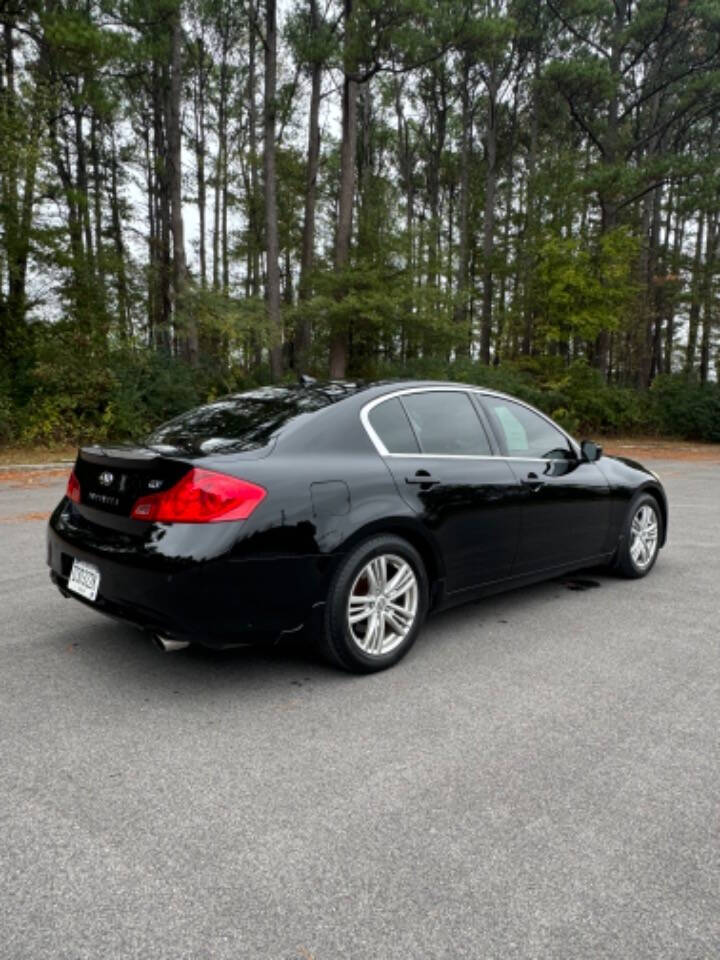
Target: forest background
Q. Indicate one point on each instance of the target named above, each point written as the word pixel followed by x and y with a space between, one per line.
pixel 199 196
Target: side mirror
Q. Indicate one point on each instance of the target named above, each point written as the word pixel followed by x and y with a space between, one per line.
pixel 590 451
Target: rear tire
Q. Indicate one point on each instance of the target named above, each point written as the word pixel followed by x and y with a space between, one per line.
pixel 376 605
pixel 641 538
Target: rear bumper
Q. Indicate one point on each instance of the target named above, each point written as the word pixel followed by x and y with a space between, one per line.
pixel 220 602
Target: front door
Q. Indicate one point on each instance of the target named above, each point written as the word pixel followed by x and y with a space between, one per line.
pixel 565 513
pixel 443 465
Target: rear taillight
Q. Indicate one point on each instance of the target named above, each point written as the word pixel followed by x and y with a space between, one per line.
pixel 202 496
pixel 73 488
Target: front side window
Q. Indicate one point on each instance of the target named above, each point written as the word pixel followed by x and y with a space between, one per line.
pixel 446 423
pixel 525 432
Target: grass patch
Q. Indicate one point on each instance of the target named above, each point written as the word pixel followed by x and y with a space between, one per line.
pixel 12 455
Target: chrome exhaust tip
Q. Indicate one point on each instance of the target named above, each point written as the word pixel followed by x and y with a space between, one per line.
pixel 169 645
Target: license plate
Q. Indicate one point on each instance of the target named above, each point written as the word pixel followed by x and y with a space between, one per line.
pixel 84 579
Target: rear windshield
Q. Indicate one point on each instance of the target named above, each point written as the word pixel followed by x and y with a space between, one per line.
pixel 247 421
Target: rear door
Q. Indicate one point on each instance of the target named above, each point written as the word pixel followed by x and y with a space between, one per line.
pixel 446 469
pixel 565 515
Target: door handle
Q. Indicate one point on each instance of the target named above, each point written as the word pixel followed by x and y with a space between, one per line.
pixel 533 482
pixel 423 478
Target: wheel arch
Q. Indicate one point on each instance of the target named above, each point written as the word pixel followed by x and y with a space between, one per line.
pixel 417 537
pixel 657 492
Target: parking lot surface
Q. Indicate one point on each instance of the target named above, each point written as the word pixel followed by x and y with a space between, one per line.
pixel 540 778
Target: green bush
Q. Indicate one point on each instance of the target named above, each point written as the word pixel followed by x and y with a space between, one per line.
pixel 506 378
pixel 575 395
pixel 146 388
pixel 82 392
pixel 683 408
pixel 8 425
pixel 598 406
pixel 79 391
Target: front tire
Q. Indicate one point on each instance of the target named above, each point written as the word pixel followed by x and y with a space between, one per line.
pixel 642 535
pixel 376 605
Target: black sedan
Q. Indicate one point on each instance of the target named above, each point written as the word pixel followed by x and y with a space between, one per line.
pixel 350 509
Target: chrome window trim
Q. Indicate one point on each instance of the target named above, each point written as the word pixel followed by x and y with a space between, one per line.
pixel 471 456
pixel 455 388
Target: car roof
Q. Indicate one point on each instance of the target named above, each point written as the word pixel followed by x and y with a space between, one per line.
pixel 381 387
pixel 366 392
pixel 338 422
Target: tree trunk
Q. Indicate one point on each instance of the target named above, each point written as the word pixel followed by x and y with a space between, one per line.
pixel 708 299
pixel 224 242
pixel 673 283
pixel 152 232
pixel 97 177
pixel 530 231
pixel 218 186
pixel 695 297
pixel 174 153
pixel 59 149
pixel 609 201
pixel 435 144
pixel 339 340
pixel 501 335
pixel 163 320
pixel 83 197
pixel 253 226
pixel 489 224
pixel 272 271
pixel 303 332
pixel 405 157
pixel 18 212
pixel 649 345
pixel 461 287
pixel 120 275
pixel 200 151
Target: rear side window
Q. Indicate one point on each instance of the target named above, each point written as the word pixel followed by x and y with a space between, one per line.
pixel 246 421
pixel 446 423
pixel 391 424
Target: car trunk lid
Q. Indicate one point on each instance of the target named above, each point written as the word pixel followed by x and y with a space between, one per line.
pixel 113 478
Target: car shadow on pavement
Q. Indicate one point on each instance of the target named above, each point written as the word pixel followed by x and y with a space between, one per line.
pixel 123 656
pixel 128 656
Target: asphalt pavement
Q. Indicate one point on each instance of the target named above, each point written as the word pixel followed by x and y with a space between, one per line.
pixel 539 778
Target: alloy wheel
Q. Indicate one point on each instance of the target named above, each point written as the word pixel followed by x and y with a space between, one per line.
pixel 383 604
pixel 644 537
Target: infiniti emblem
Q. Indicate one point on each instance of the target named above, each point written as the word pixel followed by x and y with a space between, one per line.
pixel 106 478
